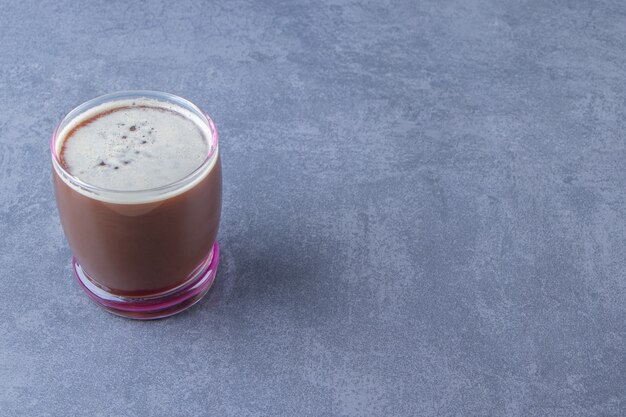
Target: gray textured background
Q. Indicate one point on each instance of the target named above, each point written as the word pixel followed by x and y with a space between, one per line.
pixel 424 209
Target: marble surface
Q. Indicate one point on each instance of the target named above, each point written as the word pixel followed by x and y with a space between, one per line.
pixel 424 209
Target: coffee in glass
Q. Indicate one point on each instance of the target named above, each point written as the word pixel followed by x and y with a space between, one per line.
pixel 137 177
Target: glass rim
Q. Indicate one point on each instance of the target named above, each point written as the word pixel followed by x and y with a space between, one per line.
pixel 130 94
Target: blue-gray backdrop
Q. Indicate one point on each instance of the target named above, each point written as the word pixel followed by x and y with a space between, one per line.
pixel 424 209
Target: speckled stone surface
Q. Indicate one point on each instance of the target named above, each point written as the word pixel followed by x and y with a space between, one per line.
pixel 424 209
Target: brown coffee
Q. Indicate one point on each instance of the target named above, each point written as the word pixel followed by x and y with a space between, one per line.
pixel 154 215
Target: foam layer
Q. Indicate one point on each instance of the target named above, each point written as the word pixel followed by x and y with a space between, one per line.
pixel 133 145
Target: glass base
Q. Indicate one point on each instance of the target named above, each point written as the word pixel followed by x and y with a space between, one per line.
pixel 158 305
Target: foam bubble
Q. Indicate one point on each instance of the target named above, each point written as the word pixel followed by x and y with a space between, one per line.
pixel 132 145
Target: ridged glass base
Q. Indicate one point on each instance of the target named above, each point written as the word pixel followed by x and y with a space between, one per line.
pixel 158 305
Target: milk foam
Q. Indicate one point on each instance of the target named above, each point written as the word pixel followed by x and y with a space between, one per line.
pixel 133 145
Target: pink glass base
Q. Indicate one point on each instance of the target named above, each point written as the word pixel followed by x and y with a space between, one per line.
pixel 158 305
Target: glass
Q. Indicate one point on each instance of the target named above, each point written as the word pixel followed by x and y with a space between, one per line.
pixel 149 253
